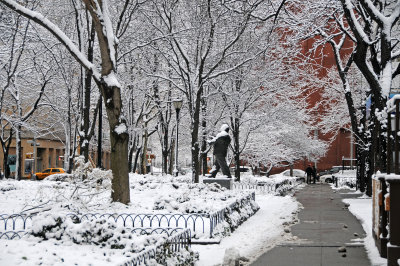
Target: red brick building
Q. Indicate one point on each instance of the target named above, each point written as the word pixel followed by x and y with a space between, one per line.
pixel 342 146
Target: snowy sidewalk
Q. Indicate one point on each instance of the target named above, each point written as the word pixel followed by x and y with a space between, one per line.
pixel 325 227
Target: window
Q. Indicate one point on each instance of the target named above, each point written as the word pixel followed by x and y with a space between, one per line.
pixel 47 171
pixel 286 173
pixel 56 170
pixel 28 166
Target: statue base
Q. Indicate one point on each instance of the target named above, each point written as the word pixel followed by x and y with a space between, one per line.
pixel 223 182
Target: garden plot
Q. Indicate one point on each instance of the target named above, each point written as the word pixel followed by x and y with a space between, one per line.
pixel 72 210
pixel 345 179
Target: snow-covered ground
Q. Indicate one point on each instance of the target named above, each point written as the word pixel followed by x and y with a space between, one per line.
pixel 258 234
pixel 149 194
pixel 362 209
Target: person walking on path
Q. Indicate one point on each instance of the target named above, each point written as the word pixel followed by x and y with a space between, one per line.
pixel 221 143
pixel 309 172
pixel 314 174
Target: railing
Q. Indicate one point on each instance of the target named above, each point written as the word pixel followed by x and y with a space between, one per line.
pixel 341 181
pixel 195 222
pixel 177 239
pixel 219 216
pixel 277 188
pixel 19 221
pixel 263 187
pixel 174 243
pixel 10 235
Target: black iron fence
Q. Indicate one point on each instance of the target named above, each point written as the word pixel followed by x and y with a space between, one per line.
pixel 278 188
pixel 198 222
pixel 174 243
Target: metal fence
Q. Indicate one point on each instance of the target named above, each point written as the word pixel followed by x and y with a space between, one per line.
pixel 276 188
pixel 220 216
pixel 197 222
pixel 10 235
pixel 174 243
pixel 341 181
pixel 194 221
pixel 15 221
pixel 177 239
pixel 177 227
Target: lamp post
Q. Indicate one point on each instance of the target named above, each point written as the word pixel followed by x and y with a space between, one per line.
pixel 178 105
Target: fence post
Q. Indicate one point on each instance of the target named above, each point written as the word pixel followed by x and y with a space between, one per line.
pixel 392 203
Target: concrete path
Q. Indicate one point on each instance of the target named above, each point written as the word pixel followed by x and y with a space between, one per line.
pixel 325 226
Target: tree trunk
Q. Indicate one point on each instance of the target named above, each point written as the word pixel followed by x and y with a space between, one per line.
pixel 119 167
pixel 203 156
pixel 119 143
pixel 165 161
pixel 236 147
pixel 18 152
pixel 86 106
pixel 6 148
pixel 171 157
pixel 5 165
pixel 143 161
pixel 130 155
pixel 138 150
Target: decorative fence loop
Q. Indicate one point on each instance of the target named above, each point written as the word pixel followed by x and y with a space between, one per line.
pixel 10 235
pixel 15 220
pixel 277 188
pixel 219 216
pixel 174 243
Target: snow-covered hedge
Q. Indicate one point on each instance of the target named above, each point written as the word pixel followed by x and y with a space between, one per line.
pixel 106 234
pixel 229 218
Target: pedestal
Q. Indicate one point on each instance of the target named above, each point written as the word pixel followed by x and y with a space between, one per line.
pixel 223 182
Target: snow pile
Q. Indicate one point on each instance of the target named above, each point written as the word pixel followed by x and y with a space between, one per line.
pixel 362 209
pixel 162 194
pixel 235 215
pixel 277 185
pixel 7 187
pixel 345 180
pixel 88 242
pixel 100 232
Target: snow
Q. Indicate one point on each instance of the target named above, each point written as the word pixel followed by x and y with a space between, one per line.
pixel 149 194
pixel 121 129
pixel 220 134
pixel 111 80
pixel 258 234
pixel 362 209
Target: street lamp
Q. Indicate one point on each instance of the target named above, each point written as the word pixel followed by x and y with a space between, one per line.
pixel 178 105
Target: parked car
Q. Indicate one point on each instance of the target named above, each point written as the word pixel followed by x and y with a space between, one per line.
pixel 49 171
pixel 299 174
pixel 326 176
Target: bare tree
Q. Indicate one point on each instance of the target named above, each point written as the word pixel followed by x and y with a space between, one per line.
pixel 199 44
pixel 106 80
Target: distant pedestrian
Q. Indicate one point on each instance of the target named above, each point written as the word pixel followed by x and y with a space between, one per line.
pixel 309 172
pixel 221 143
pixel 314 174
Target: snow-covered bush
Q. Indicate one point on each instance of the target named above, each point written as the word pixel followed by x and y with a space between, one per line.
pixel 236 214
pixel 194 198
pixel 108 235
pixel 60 177
pixel 7 187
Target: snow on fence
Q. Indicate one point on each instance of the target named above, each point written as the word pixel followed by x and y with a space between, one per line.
pixel 174 243
pixel 279 188
pixel 10 235
pixel 344 181
pixel 200 223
